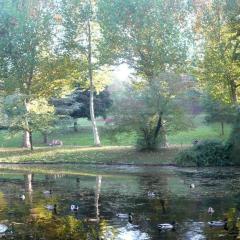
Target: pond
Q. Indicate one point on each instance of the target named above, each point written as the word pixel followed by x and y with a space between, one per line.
pixel 153 195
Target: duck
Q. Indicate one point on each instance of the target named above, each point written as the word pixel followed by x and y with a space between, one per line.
pixel 74 208
pixel 3 228
pixel 167 226
pixel 51 207
pixel 219 223
pixel 125 216
pixel 210 210
pixel 47 192
pixel 192 185
pixel 151 194
pixel 22 196
pixel 130 218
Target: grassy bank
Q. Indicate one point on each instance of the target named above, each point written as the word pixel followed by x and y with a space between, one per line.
pixel 115 149
pixel 102 155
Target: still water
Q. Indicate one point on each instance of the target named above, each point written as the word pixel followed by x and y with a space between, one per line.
pixel 102 192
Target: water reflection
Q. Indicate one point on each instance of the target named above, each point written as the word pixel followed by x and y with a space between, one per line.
pixel 100 196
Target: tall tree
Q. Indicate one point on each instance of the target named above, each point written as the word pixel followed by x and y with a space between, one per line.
pixel 79 42
pixel 150 36
pixel 219 58
pixel 151 110
pixel 219 112
pixel 28 64
pixel 24 38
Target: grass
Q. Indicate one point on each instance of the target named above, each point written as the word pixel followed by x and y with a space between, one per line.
pixel 114 149
pixel 84 136
pixel 93 155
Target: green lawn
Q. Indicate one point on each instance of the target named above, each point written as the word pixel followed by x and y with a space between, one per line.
pixel 84 136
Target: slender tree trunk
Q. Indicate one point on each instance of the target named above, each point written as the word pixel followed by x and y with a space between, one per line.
pixel 26 139
pixel 90 73
pixel 75 125
pixel 222 128
pixel 157 129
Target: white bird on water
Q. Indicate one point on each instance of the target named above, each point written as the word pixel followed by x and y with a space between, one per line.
pixel 22 196
pixel 167 226
pixel 74 208
pixel 192 185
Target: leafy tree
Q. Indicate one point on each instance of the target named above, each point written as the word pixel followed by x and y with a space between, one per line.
pixel 79 42
pixel 218 112
pixel 150 36
pixel 25 36
pixel 151 110
pixel 28 65
pixel 77 106
pixel 39 116
pixel 219 59
pixel 235 140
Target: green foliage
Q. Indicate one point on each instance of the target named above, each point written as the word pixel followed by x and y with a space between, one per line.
pixel 218 111
pixel 76 105
pixel 234 140
pixel 141 34
pixel 219 59
pixel 150 110
pixel 206 153
pixel 39 115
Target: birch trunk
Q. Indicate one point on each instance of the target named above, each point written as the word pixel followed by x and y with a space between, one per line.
pixel 90 73
pixel 26 139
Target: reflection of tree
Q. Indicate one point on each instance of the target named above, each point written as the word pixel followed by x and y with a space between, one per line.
pixel 28 178
pixel 3 203
pixel 97 195
pixel 51 227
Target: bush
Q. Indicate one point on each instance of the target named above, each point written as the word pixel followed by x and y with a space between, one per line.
pixel 234 141
pixel 148 142
pixel 206 153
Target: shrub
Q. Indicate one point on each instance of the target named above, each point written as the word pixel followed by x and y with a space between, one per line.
pixel 206 153
pixel 234 141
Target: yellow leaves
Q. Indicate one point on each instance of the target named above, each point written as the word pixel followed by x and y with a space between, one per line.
pixel 40 106
pixel 101 79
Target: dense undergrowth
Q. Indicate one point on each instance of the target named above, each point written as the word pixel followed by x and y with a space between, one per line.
pixel 214 152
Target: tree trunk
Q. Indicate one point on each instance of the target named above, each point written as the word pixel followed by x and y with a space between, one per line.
pixel 45 138
pixel 90 73
pixel 158 127
pixel 26 139
pixel 31 141
pixel 222 128
pixel 233 86
pixel 75 126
